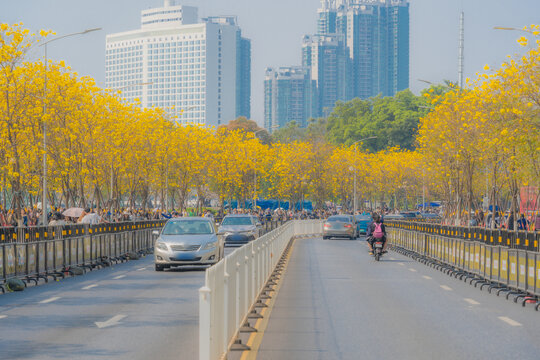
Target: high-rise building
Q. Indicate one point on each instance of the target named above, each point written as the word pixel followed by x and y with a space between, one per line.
pixel 325 56
pixel 289 95
pixel 199 71
pixel 377 39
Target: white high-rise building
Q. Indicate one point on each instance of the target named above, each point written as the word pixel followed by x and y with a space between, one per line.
pixel 199 72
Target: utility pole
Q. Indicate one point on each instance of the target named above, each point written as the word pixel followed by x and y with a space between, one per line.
pixel 461 58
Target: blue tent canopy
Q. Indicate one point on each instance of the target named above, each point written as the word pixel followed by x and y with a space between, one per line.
pixel 272 204
pixel 428 204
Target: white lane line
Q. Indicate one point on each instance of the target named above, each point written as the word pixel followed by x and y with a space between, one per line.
pixel 119 277
pixel 402 264
pixel 112 321
pixel 447 288
pixel 471 301
pixel 49 300
pixel 89 287
pixel 413 270
pixel 3 316
pixel 392 258
pixel 509 321
pixel 141 269
pixel 426 277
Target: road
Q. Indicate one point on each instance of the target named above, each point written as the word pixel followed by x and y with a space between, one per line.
pixel 336 302
pixel 128 311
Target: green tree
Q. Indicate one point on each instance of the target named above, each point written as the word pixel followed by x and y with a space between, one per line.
pixel 394 120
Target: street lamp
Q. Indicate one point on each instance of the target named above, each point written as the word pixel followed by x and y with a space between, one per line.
pixel 511 29
pixel 355 155
pixel 131 85
pixel 44 199
pixel 255 177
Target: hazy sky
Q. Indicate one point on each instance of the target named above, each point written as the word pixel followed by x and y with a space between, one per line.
pixel 277 26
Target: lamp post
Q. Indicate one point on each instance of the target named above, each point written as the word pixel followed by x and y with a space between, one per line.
pixel 255 177
pixel 44 199
pixel 511 29
pixel 355 155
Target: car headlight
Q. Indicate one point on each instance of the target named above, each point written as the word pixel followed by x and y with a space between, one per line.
pixel 162 246
pixel 210 245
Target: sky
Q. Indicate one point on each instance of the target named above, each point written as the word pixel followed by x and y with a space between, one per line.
pixel 276 28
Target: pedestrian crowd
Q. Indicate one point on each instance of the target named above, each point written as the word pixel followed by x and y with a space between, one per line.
pixel 56 217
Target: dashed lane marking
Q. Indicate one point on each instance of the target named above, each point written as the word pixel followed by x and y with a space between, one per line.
pixel 447 288
pixel 50 300
pixel 141 269
pixel 426 277
pixel 509 321
pixel 412 270
pixel 3 316
pixel 119 277
pixel 111 322
pixel 471 301
pixel 392 258
pixel 402 264
pixel 89 287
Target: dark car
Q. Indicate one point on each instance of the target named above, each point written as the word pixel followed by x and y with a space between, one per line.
pixel 239 229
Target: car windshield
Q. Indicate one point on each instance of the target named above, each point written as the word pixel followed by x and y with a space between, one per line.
pixel 188 227
pixel 339 218
pixel 234 220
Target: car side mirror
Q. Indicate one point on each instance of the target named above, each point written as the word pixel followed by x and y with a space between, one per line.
pixel 259 224
pixel 155 232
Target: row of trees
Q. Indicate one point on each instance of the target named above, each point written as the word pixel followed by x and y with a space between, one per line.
pixel 104 151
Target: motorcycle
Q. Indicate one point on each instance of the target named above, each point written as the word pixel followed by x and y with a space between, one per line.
pixel 378 249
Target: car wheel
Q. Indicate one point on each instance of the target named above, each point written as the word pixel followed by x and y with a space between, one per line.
pixel 159 267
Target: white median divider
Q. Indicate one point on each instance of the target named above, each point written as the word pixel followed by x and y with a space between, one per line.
pixel 233 285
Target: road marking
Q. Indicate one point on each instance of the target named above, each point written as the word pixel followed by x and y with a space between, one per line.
pixel 89 287
pixel 112 321
pixel 413 270
pixel 402 264
pixel 392 258
pixel 509 321
pixel 426 277
pixel 3 316
pixel 119 277
pixel 447 288
pixel 471 301
pixel 141 269
pixel 50 300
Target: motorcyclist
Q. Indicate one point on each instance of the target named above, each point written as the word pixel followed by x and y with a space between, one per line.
pixel 371 231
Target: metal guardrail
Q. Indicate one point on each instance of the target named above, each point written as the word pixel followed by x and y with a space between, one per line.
pixel 39 233
pixel 522 240
pixel 55 250
pixel 232 286
pixel 487 260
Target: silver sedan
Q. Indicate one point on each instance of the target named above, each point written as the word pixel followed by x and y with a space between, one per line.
pixel 187 241
pixel 340 226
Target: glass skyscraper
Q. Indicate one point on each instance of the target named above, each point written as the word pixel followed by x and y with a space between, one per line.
pixel 361 50
pixel 199 72
pixel 325 56
pixel 377 40
pixel 289 95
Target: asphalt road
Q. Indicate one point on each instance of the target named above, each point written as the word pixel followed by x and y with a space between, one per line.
pixel 128 311
pixel 336 302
